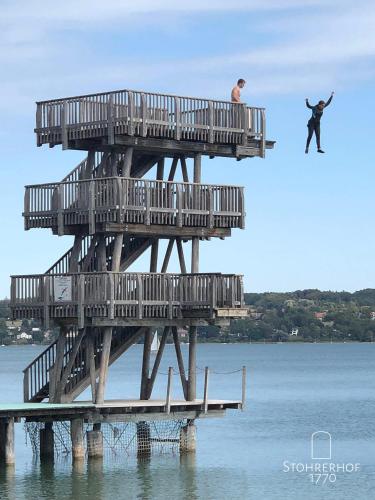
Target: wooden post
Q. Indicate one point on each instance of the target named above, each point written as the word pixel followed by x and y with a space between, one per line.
pixel 104 360
pixel 90 360
pixel 110 121
pixel 164 266
pixel 243 387
pixel 46 293
pixel 64 129
pixel 146 362
pixel 128 162
pixel 177 132
pixel 181 257
pixel 144 115
pixel 205 394
pixel 7 441
pixel 210 122
pixel 169 391
pixel 263 132
pixel 95 444
pixel 76 434
pixel 91 207
pixel 81 301
pixel 192 363
pixel 60 208
pixel 117 251
pixel 131 113
pixel 55 372
pixel 197 167
pixel 47 445
pixel 244 124
pixel 180 361
pixel 155 368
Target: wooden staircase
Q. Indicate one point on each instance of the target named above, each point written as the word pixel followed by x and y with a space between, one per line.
pixel 39 373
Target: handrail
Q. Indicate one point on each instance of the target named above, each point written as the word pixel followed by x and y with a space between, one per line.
pixel 129 295
pixel 130 200
pixel 145 114
pixel 113 92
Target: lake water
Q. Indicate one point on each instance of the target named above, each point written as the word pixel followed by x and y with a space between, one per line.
pixel 293 391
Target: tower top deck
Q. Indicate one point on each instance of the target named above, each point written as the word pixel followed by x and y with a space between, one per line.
pixel 153 122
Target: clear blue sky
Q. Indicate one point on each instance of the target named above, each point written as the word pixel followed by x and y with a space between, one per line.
pixel 309 219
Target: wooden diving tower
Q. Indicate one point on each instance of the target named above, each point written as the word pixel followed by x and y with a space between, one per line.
pixel 116 212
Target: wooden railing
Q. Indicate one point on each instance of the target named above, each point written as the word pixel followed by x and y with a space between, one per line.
pixel 122 295
pixel 137 201
pixel 144 114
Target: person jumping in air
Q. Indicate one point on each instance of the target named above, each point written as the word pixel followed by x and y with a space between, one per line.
pixel 313 124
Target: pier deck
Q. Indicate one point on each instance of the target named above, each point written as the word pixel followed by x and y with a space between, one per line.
pixel 118 410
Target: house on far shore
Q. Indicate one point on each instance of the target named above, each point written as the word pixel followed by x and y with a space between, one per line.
pixel 320 315
pixel 294 332
pixel 24 336
pixel 372 315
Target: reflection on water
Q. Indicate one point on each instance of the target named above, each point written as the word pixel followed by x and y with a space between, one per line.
pixel 293 391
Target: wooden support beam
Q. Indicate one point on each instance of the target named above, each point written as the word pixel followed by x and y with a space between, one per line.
pixel 192 363
pixel 55 371
pixel 90 164
pixel 74 256
pixel 197 168
pixel 180 361
pixel 169 391
pixel 104 360
pixel 146 362
pixel 172 171
pixel 60 385
pixel 101 254
pixel 151 380
pixel 181 257
pixel 167 257
pixel 90 361
pixel 117 251
pixel 195 255
pixel 154 256
pixel 128 161
pixel 160 170
pixel 7 455
pixel 184 170
pixel 77 439
pixel 86 263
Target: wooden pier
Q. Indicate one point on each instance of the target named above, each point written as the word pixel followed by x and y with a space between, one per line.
pixel 116 215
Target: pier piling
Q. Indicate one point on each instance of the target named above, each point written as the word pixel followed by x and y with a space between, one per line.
pixel 77 437
pixel 7 441
pixel 47 442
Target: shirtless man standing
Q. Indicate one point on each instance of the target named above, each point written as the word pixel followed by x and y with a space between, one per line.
pixel 236 90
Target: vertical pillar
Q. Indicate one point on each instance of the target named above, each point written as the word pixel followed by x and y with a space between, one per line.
pixel 143 439
pixel 7 441
pixel 194 269
pixel 188 437
pixel 104 362
pixel 76 434
pixel 144 393
pixel 47 442
pixel 95 444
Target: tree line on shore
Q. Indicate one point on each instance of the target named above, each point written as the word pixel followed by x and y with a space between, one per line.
pixel 303 315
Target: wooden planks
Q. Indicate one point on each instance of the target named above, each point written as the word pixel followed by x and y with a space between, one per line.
pixel 119 200
pixel 149 115
pixel 128 295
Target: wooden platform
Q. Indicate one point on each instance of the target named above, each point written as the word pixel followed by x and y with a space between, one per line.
pixel 153 122
pixel 118 410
